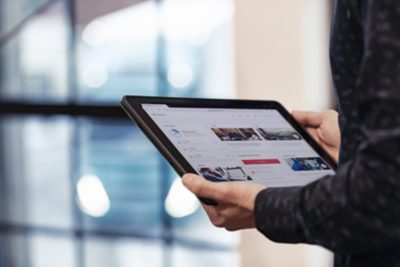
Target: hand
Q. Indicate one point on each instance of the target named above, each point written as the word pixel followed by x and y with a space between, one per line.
pixel 235 209
pixel 323 127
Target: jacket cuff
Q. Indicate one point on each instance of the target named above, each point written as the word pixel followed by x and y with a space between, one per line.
pixel 277 214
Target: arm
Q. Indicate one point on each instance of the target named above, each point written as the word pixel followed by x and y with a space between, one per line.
pixel 358 209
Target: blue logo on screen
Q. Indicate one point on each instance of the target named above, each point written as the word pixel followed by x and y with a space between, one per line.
pixel 175 132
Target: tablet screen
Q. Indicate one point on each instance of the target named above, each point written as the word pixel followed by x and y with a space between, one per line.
pixel 256 145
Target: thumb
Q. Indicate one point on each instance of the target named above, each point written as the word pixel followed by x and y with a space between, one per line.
pixel 308 118
pixel 203 188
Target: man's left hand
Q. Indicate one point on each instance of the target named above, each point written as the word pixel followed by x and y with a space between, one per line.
pixel 235 209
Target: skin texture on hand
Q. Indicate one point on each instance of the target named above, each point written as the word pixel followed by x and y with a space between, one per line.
pixel 235 209
pixel 323 127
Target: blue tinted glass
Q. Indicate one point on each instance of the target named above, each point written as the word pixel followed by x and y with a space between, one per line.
pixel 129 168
pixel 34 63
pixel 101 180
pixel 189 221
pixel 13 250
pixel 47 250
pixel 118 53
pixel 123 252
pixel 13 13
pixel 198 257
pixel 197 228
pixel 35 167
pixel 37 250
pixel 198 63
pixel 199 51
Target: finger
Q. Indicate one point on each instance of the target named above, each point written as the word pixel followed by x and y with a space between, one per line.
pixel 232 193
pixel 308 118
pixel 314 133
pixel 328 138
pixel 235 227
pixel 233 224
pixel 230 212
pixel 203 188
pixel 211 211
pixel 214 216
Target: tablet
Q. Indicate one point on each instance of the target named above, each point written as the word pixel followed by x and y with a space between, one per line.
pixel 231 140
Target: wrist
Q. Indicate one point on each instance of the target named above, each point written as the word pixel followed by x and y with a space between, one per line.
pixel 253 197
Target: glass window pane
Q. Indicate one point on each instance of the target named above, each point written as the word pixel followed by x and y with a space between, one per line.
pixel 13 12
pixel 124 162
pixel 59 174
pixel 199 47
pixel 50 250
pixel 183 256
pixel 190 222
pixel 123 252
pixel 36 250
pixel 14 249
pixel 34 63
pixel 199 229
pixel 118 52
pixel 35 171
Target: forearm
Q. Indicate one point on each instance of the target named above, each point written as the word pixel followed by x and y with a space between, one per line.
pixel 357 210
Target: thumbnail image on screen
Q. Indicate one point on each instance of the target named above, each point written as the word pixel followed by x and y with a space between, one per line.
pixel 236 134
pixel 220 174
pixel 307 164
pixel 279 134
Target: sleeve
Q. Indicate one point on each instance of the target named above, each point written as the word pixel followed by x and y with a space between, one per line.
pixel 357 210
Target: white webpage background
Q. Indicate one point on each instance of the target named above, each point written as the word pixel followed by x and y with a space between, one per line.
pixel 190 130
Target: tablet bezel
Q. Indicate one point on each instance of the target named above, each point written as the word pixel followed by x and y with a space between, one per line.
pixel 133 106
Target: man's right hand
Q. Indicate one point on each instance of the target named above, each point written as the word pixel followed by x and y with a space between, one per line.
pixel 323 127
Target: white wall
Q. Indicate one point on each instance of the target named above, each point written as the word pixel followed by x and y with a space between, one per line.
pixel 282 54
pixel 282 51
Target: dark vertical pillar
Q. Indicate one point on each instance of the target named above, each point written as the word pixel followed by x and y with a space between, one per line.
pixel 3 253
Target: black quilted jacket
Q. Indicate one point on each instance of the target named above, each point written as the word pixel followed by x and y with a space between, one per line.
pixel 355 213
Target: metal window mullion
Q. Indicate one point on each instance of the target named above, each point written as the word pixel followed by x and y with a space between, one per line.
pixel 74 171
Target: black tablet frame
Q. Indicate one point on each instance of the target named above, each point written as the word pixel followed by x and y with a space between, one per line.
pixel 133 107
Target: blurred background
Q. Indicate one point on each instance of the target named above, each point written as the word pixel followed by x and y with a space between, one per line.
pixel 80 186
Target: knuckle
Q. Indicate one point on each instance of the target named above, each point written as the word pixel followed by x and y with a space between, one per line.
pixel 225 191
pixel 331 112
pixel 218 222
pixel 231 228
